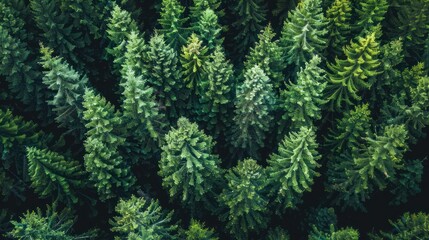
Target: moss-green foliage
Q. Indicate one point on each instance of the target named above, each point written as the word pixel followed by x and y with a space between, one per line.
pixel 408 181
pixel 199 8
pixel 139 218
pixel 339 17
pixel 409 226
pixel 209 30
pixel 291 171
pixel 197 231
pixel 172 23
pixel 245 199
pixel 370 14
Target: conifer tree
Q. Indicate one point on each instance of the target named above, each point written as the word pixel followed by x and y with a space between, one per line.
pixel 370 14
pixel 164 76
pixel 244 199
pixel 321 220
pixel 189 169
pixel 339 17
pixel 250 20
pixel 120 25
pixel 108 171
pixel 135 55
pixel 197 231
pixel 49 225
pixel 172 23
pixel 268 55
pixel 53 175
pixel 409 226
pixel 304 33
pixel 140 218
pixel 199 8
pixel 12 22
pixel 277 234
pixel 302 101
pixel 254 103
pixel 208 30
pixel 348 76
pixel 68 87
pixel 407 182
pixel 292 170
pixel 341 234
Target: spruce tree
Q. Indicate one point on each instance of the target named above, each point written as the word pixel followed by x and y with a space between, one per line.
pixel 68 87
pixel 135 55
pixel 349 76
pixel 268 55
pixel 172 23
pixel 255 101
pixel 208 30
pixel 199 8
pixel 302 101
pixel 53 175
pixel 409 226
pixel 407 182
pixel 292 170
pixel 139 218
pixel 108 171
pixel 339 16
pixel 370 13
pixel 245 200
pixel 250 20
pixel 189 169
pixel 304 33
pixel 197 231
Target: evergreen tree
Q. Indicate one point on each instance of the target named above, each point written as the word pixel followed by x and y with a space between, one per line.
pixel 68 87
pixel 108 171
pixel 244 199
pixel 348 76
pixel 277 234
pixel 254 103
pixel 197 231
pixel 173 23
pixel 189 169
pixel 250 20
pixel 140 218
pixel 339 17
pixel 291 172
pixel 199 8
pixel 320 220
pixel 135 55
pixel 409 226
pixel 53 175
pixel 370 14
pixel 165 77
pixel 268 55
pixel 50 225
pixel 341 234
pixel 407 182
pixel 304 33
pixel 208 30
pixel 12 22
pixel 302 101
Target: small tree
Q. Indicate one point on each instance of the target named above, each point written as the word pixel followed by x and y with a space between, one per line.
pixel 209 30
pixel 339 17
pixel 173 23
pixel 197 231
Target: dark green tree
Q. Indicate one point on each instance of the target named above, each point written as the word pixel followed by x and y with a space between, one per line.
pixel 200 6
pixel 409 226
pixel 189 169
pixel 347 77
pixel 208 30
pixel 172 23
pixel 109 172
pixel 277 234
pixel 142 219
pixel 254 104
pixel 370 14
pixel 245 199
pixel 339 16
pixel 407 182
pixel 292 170
pixel 197 231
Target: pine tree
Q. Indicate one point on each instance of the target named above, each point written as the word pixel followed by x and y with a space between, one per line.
pixel 140 218
pixel 321 219
pixel 409 226
pixel 12 22
pixel 120 25
pixel 200 6
pixel 49 225
pixel 135 55
pixel 339 17
pixel 347 77
pixel 250 20
pixel 108 171
pixel 165 77
pixel 407 182
pixel 304 33
pixel 197 231
pixel 68 87
pixel 291 172
pixel 302 101
pixel 208 30
pixel 254 104
pixel 268 55
pixel 370 14
pixel 245 200
pixel 173 23
pixel 189 169
pixel 53 175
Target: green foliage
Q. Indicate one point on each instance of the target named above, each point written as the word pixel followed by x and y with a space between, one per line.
pixel 12 22
pixel 142 219
pixel 268 55
pixel 320 220
pixel 254 102
pixel 245 200
pixel 199 8
pixel 409 226
pixel 189 169
pixel 53 175
pixel 50 225
pixel 341 234
pixel 292 170
pixel 370 13
pixel 302 101
pixel 108 171
pixel 277 234
pixel 304 33
pixel 209 30
pixel 68 87
pixel 349 76
pixel 339 17
pixel 197 231
pixel 408 182
pixel 250 20
pixel 135 55
pixel 173 23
